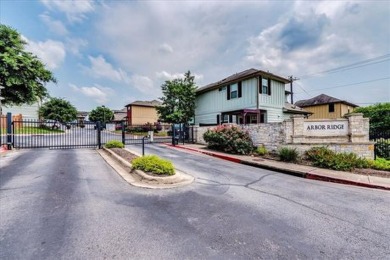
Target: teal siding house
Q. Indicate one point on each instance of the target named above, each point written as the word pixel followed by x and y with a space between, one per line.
pixel 248 97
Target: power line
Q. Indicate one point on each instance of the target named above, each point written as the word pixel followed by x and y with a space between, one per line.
pixel 355 65
pixel 346 85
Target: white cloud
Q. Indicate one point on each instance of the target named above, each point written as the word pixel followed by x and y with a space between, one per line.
pixel 98 93
pixel 165 48
pixel 55 26
pixel 75 10
pixel 170 76
pixel 143 84
pixel 100 68
pixel 317 36
pixel 74 45
pixel 52 53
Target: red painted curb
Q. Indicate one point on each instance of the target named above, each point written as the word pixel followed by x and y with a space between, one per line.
pixel 227 158
pixel 335 180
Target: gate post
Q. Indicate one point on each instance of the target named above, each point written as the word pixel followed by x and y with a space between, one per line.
pixel 9 130
pixel 173 135
pixel 99 137
pixel 123 132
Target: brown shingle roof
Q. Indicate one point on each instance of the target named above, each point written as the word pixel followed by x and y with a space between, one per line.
pixel 321 100
pixel 246 74
pixel 153 103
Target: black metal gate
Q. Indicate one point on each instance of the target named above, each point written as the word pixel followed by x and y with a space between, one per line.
pixel 382 143
pixel 22 134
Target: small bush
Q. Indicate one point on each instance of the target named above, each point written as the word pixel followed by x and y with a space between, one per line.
pixel 380 164
pixel 288 155
pixel 325 158
pixel 229 139
pixel 261 150
pixel 154 164
pixel 114 144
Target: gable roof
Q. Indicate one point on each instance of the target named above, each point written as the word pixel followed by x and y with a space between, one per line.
pixel 322 100
pixel 294 109
pixel 153 103
pixel 246 74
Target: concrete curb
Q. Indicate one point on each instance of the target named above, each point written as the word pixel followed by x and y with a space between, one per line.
pixel 141 179
pixel 297 173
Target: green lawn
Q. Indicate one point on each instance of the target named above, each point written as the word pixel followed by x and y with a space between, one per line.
pixel 36 130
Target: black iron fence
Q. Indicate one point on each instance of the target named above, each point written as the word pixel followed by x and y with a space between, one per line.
pixel 22 134
pixel 382 143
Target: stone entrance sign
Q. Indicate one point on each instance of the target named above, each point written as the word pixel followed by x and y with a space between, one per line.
pixel 325 128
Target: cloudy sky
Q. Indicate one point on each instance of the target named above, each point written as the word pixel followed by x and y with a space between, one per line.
pixel 115 52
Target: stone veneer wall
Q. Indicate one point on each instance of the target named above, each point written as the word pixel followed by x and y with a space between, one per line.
pixel 290 133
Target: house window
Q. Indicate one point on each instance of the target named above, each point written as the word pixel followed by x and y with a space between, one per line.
pixel 234 91
pixel 264 85
pixel 331 108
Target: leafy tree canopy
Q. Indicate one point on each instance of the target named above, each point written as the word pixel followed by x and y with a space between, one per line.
pixel 59 110
pixel 178 100
pixel 379 115
pixel 22 74
pixel 102 114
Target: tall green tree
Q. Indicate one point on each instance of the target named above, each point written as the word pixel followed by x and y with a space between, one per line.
pixel 22 74
pixel 178 102
pixel 379 115
pixel 59 110
pixel 102 114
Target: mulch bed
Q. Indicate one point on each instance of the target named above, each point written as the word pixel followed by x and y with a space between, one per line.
pixel 128 156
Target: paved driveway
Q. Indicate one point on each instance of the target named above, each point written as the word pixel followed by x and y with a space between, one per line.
pixel 70 204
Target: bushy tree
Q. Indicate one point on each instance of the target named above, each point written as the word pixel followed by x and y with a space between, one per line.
pixel 102 114
pixel 178 102
pixel 22 74
pixel 58 109
pixel 379 115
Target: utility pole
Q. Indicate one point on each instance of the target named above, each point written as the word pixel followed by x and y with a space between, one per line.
pixel 292 79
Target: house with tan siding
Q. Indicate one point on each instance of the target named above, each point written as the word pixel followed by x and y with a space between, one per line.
pixel 324 106
pixel 142 112
pixel 248 97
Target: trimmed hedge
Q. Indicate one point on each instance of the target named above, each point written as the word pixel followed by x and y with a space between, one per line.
pixel 153 164
pixel 114 144
pixel 229 139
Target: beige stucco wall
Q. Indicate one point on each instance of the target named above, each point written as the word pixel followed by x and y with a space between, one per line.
pixel 142 115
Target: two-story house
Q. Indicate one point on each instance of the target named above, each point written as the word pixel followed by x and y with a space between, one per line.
pixel 248 97
pixel 142 112
pixel 324 106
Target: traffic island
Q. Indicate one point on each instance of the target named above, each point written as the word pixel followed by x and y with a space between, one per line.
pixel 140 178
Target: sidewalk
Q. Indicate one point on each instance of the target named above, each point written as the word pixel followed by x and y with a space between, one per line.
pixel 302 171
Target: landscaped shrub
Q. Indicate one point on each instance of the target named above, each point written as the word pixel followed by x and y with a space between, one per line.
pixel 288 154
pixel 380 164
pixel 261 150
pixel 114 144
pixel 325 158
pixel 153 164
pixel 229 139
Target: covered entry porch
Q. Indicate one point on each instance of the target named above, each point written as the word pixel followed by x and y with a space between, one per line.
pixel 243 116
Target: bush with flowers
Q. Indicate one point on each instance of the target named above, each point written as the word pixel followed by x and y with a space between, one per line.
pixel 229 139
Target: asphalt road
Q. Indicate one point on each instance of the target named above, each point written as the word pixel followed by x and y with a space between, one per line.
pixel 69 204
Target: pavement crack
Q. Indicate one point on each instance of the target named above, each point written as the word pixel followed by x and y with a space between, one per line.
pixel 316 210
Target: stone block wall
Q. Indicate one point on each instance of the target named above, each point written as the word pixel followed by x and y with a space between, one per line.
pixel 353 137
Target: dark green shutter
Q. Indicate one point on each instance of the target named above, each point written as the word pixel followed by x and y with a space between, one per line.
pixel 228 92
pixel 218 120
pixel 260 85
pixel 240 89
pixel 269 86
